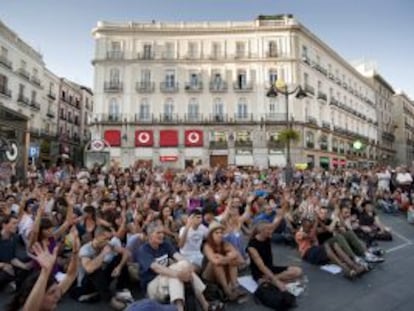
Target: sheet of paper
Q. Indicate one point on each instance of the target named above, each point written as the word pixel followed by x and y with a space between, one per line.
pixel 248 283
pixel 334 269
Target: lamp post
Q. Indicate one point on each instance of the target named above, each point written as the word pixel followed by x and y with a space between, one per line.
pixel 280 87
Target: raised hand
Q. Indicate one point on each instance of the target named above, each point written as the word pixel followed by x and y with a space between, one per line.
pixel 42 256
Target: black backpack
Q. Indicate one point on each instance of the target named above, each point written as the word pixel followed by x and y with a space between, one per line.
pixel 271 297
pixel 190 298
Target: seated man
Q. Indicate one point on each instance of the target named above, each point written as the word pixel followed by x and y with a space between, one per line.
pixel 164 281
pixel 11 268
pixel 191 237
pixel 102 261
pixel 261 263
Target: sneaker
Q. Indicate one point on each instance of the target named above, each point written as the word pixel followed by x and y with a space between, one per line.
pixel 92 297
pixel 11 287
pixel 295 288
pixel 361 262
pixel 117 304
pixel 124 296
pixel 371 258
pixel 376 251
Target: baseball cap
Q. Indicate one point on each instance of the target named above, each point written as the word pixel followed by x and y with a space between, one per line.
pixel 150 305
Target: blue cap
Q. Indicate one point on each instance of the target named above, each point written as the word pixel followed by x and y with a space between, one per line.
pixel 150 305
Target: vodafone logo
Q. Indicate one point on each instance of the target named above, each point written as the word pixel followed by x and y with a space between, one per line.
pixel 143 137
pixel 193 137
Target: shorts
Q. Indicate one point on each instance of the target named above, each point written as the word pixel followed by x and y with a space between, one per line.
pixel 274 269
pixel 316 255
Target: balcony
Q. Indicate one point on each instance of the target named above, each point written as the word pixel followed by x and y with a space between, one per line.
pixel 50 114
pixel 145 87
pixel 143 118
pixel 146 56
pixel 309 89
pixel 326 125
pixel 114 55
pixel 113 87
pixel 271 54
pixel 242 87
pixel 167 87
pixel 63 117
pixel 193 118
pixel 34 105
pixel 194 87
pixel 388 136
pixel 5 92
pixel 334 101
pixel 243 143
pixel 24 73
pixel 5 62
pixel 51 95
pixel 36 81
pixel 111 118
pixel 331 76
pixel 218 118
pixel 310 144
pixel 70 120
pixel 312 120
pixel 169 118
pixel 222 144
pixel 218 86
pixel 276 117
pixel 23 100
pixel 322 96
pixel 243 117
pixel 275 144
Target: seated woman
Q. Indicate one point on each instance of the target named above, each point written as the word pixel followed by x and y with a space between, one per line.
pixel 316 254
pixel 40 291
pixel 221 263
pixel 261 259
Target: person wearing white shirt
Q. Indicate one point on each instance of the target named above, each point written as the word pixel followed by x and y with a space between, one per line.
pixel 191 237
pixel 384 178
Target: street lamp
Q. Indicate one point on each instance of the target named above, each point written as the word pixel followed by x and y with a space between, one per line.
pixel 280 87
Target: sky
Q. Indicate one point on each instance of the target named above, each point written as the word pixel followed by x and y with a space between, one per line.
pixel 376 30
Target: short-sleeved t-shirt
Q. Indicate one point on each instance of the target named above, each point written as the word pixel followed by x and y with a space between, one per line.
pixel 326 235
pixel 194 239
pixel 148 255
pixel 264 248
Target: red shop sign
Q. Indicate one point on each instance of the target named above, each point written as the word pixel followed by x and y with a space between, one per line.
pixel 168 158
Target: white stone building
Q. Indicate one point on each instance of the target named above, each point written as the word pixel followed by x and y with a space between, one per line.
pixel 29 99
pixel 178 93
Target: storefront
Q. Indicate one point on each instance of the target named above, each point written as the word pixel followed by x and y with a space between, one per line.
pixel 244 158
pixel 13 130
pixel 324 162
pixel 277 158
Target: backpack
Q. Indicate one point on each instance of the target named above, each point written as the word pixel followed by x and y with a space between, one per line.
pixel 271 297
pixel 213 292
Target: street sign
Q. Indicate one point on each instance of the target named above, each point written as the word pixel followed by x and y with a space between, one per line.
pixel 34 151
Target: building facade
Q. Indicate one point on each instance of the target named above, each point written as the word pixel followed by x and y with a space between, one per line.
pixel 403 114
pixel 184 93
pixel 30 100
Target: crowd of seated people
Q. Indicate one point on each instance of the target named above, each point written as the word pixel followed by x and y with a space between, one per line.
pixel 104 236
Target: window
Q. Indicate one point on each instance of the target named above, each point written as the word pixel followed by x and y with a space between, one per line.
pixel 194 79
pixel 116 46
pixel 193 109
pixel 240 49
pixel 218 109
pixel 114 76
pixel 170 79
pixel 34 96
pixel 21 90
pixel 35 72
pixel 146 75
pixel 3 84
pixel 114 110
pixel 241 79
pixel 23 64
pixel 169 50
pixel 147 49
pixel 144 109
pixel 4 52
pixel 217 79
pixel 216 50
pixel 168 109
pixel 272 49
pixel 192 49
pixel 306 79
pixel 272 76
pixel 242 112
pixel 304 51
